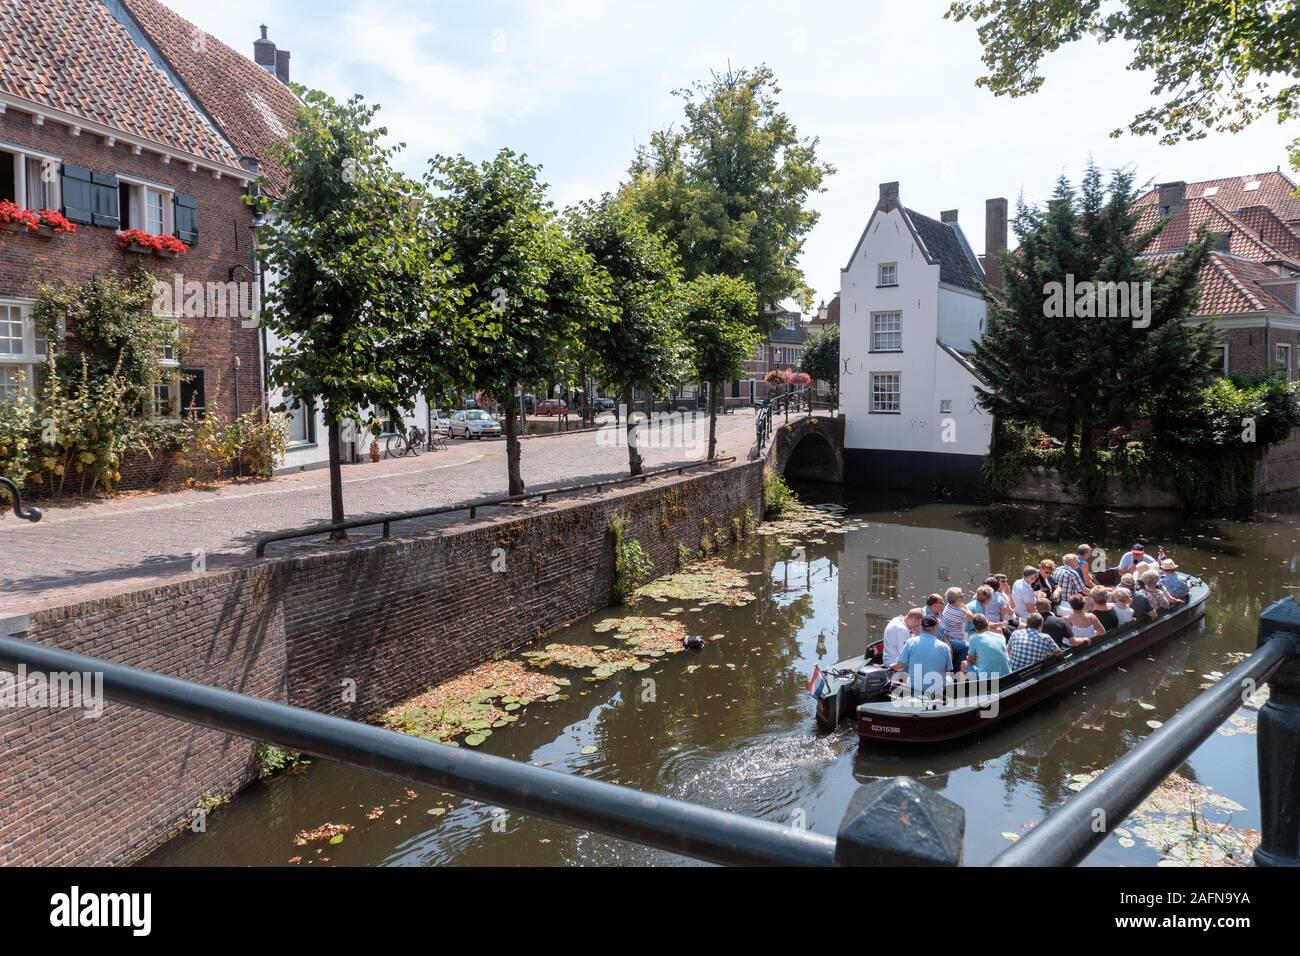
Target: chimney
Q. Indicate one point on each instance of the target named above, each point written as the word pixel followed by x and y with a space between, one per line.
pixel 995 240
pixel 948 215
pixel 275 62
pixel 1173 197
pixel 888 197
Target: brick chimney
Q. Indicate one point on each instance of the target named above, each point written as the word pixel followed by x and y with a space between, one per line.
pixel 888 197
pixel 1173 197
pixel 948 215
pixel 275 62
pixel 995 240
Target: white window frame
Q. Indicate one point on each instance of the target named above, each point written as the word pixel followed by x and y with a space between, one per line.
pixel 139 192
pixel 893 275
pixel 1279 350
pixel 874 407
pixel 895 314
pixel 306 409
pixel 1226 364
pixel 54 197
pixel 32 356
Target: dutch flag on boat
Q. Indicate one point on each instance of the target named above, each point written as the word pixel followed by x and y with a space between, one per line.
pixel 817 686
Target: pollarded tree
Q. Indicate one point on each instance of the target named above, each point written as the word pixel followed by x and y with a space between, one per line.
pixel 1058 353
pixel 527 289
pixel 731 188
pixel 357 297
pixel 717 326
pixel 821 357
pixel 641 348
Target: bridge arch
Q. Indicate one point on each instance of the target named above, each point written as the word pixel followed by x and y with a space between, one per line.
pixel 810 448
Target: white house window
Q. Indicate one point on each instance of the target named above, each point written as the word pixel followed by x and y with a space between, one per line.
pixel 31 180
pixel 886 393
pixel 145 206
pixel 888 274
pixel 302 425
pixel 21 349
pixel 167 398
pixel 1223 359
pixel 882 578
pixel 1284 360
pixel 886 331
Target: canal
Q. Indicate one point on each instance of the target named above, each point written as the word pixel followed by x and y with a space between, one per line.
pixel 732 725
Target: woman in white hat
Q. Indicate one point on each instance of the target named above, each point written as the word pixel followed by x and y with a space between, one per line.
pixel 1175 584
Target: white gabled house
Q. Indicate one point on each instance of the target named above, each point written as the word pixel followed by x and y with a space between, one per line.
pixel 911 309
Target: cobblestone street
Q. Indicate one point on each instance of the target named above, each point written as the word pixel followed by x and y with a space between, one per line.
pixel 93 549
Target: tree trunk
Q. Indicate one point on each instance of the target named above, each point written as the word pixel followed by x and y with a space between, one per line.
pixel 336 480
pixel 713 420
pixel 633 455
pixel 513 448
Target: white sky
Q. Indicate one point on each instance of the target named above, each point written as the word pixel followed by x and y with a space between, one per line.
pixel 887 87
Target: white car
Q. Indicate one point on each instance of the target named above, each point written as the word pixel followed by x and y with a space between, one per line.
pixel 440 423
pixel 474 423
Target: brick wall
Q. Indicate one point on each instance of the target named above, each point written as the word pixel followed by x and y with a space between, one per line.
pixel 225 240
pixel 1249 351
pixel 395 618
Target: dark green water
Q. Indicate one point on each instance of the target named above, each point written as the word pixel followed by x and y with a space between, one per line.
pixel 737 733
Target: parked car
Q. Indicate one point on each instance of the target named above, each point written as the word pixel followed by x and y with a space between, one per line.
pixel 553 406
pixel 605 404
pixel 440 422
pixel 474 423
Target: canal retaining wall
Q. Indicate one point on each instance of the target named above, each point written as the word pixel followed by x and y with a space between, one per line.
pixel 348 632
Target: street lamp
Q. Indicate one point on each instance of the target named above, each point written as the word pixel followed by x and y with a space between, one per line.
pixel 16 497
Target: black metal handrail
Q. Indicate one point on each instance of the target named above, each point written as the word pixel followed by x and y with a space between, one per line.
pixel 1071 831
pixel 32 514
pixel 387 521
pixel 767 411
pixel 676 826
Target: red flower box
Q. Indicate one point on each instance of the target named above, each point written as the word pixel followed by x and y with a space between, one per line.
pixel 134 240
pixel 17 218
pixel 56 222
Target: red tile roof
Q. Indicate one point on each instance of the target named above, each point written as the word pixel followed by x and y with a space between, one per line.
pixel 1231 286
pixel 1206 213
pixel 253 109
pixel 1274 191
pixel 72 56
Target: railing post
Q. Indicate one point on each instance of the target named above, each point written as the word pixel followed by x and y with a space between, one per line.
pixel 1279 745
pixel 899 822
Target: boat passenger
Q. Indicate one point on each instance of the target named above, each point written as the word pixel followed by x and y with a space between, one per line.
pixel 985 603
pixel 1046 568
pixel 1084 551
pixel 1102 610
pixel 1084 625
pixel 952 625
pixel 934 605
pixel 1175 584
pixel 1123 606
pixel 1143 609
pixel 1154 593
pixel 1029 645
pixel 1054 626
pixel 988 651
pixel 1066 579
pixel 899 631
pixel 926 660
pixel 1137 555
pixel 999 608
pixel 1023 596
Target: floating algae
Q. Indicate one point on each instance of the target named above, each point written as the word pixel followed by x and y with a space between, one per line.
pixel 473 703
pixel 703 583
pixel 602 663
pixel 647 636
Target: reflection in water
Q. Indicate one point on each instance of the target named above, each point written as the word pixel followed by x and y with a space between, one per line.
pixel 732 727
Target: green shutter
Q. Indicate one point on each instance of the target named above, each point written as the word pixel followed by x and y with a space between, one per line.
pixel 78 194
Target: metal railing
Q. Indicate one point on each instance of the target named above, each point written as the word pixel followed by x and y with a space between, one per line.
pixel 767 412
pixel 16 499
pixel 388 520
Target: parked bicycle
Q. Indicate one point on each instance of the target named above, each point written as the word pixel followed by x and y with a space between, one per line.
pixel 400 445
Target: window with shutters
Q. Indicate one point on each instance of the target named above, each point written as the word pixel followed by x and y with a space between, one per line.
pixel 146 206
pixel 31 180
pixel 187 219
pixel 89 197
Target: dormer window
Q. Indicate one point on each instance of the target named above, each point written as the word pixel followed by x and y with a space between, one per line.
pixel 1211 192
pixel 1251 186
pixel 887 274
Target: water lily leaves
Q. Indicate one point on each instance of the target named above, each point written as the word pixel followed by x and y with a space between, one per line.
pixel 474 740
pixel 437 811
pixel 641 667
pixel 336 839
pixel 1146 706
pixel 1155 724
pixel 512 707
pixel 1008 835
pixel 1127 842
pixel 588 751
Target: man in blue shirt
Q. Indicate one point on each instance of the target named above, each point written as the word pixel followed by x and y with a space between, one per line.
pixel 1173 582
pixel 926 660
pixel 988 651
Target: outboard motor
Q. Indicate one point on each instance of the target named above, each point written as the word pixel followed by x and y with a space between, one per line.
pixel 870 682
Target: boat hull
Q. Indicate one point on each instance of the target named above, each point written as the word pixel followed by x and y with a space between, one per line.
pixel 885 722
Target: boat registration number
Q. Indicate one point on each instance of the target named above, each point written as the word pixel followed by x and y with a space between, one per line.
pixel 885 729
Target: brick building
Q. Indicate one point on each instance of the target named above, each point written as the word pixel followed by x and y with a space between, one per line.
pixel 91 125
pixel 1249 286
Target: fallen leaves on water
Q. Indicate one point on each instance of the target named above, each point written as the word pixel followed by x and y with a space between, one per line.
pixel 473 703
pixel 704 583
pixel 646 636
pixel 333 832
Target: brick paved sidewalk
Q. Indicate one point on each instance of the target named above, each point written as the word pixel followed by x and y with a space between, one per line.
pixel 94 549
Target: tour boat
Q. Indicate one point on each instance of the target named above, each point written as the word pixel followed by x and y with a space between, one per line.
pixel 860 688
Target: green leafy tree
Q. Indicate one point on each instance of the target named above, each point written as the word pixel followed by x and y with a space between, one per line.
pixel 357 298
pixel 1082 375
pixel 821 357
pixel 640 349
pixel 731 188
pixel 717 326
pixel 528 290
pixel 1213 63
